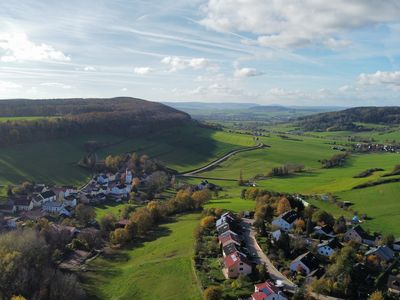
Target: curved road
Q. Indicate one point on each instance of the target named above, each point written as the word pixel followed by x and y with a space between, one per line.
pixel 192 173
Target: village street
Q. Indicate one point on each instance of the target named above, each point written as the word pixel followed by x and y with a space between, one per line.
pixel 249 235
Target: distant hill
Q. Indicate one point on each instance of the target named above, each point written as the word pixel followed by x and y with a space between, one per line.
pixel 205 105
pixel 121 116
pixel 348 119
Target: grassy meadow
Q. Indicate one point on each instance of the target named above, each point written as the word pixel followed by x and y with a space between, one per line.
pixel 159 268
pixel 55 162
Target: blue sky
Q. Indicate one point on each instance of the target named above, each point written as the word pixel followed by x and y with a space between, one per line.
pixel 289 52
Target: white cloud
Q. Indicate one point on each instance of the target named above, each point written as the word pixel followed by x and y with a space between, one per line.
pixel 142 70
pixel 293 23
pixel 16 47
pixel 177 63
pixel 89 68
pixel 335 44
pixel 56 85
pixel 247 72
pixel 8 85
pixel 381 78
pixel 124 89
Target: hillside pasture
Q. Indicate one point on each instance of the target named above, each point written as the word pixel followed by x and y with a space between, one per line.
pixel 158 268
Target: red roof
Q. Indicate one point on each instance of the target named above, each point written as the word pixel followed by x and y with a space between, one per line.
pixel 226 237
pixel 234 258
pixel 267 288
pixel 258 296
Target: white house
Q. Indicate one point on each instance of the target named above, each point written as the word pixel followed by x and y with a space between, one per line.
pixel 120 189
pixel 328 248
pixel 276 235
pixel 236 264
pixel 22 203
pixel 128 177
pixel 286 220
pixel 69 201
pixel 267 291
pixel 305 263
pixel 55 207
pixel 396 245
pixel 102 179
pixel 358 235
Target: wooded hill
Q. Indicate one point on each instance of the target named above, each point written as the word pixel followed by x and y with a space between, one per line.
pixel 121 116
pixel 348 119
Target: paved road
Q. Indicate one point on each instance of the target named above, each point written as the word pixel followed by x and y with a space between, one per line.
pixel 249 235
pixel 219 160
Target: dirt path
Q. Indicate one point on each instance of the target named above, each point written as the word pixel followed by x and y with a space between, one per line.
pixel 211 165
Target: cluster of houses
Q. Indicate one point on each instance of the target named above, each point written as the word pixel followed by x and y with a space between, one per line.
pixel 376 148
pixel 236 261
pixel 114 186
pixel 328 244
pixel 42 200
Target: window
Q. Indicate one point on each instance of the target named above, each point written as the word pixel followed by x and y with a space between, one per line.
pixel 241 269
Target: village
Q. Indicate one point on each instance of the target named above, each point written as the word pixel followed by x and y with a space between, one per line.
pixel 293 254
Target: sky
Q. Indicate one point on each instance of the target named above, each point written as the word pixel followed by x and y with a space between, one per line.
pixel 287 52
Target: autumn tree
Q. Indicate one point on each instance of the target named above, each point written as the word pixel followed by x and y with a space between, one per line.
pixel 119 236
pixel 143 220
pixel 299 225
pixel 213 293
pixel 377 295
pixel 84 213
pixel 201 197
pixel 283 206
pixel 107 222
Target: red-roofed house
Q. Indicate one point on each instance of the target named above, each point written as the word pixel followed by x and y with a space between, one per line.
pixel 236 264
pixel 227 238
pixel 267 291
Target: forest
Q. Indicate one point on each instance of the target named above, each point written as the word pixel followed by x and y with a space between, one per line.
pixel 120 116
pixel 347 119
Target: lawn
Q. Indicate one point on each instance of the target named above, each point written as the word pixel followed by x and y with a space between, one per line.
pixel 160 268
pixel 109 207
pixel 28 118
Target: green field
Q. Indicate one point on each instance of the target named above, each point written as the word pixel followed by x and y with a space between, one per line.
pixel 160 268
pixel 55 162
pixel 29 118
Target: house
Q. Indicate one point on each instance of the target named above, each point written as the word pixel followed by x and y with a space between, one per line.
pixel 7 208
pixel 382 252
pixel 128 177
pixel 236 264
pixel 11 222
pixel 231 248
pixel 286 220
pixel 393 285
pixel 102 179
pixel 55 207
pixel 122 223
pixel 224 229
pixel 276 235
pixel 22 202
pixel 226 218
pixel 69 201
pixel 306 262
pixel 71 230
pixel 325 230
pixel 229 237
pixel 46 197
pixel 267 291
pixel 328 248
pixel 358 235
pixel 120 189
